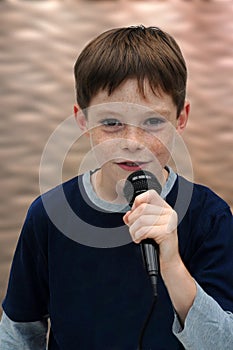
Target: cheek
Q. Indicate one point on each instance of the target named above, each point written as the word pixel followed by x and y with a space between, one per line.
pixel 161 146
pixel 105 148
pixel 98 137
pixel 95 137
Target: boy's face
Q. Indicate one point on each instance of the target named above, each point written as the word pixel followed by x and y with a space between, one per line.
pixel 129 132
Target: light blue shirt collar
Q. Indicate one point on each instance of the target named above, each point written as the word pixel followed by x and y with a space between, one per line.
pixel 121 208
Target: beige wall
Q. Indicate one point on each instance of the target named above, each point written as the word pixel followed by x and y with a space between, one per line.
pixel 39 42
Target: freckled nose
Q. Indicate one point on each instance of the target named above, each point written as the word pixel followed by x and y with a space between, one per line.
pixel 132 140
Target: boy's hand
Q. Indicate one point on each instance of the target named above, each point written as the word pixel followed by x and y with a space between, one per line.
pixel 152 217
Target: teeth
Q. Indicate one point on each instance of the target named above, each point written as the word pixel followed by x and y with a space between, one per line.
pixel 131 164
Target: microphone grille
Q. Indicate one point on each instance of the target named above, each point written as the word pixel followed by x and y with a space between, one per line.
pixel 139 182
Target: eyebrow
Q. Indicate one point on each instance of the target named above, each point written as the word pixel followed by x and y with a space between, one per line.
pixel 148 113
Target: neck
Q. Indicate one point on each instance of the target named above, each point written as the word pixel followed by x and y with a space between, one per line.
pixel 109 191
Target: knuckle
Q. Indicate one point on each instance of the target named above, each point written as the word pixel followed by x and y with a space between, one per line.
pixel 141 220
pixel 143 207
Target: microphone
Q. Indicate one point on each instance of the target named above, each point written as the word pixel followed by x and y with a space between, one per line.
pixel 137 183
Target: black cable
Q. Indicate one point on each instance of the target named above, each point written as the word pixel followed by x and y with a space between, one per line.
pixel 142 333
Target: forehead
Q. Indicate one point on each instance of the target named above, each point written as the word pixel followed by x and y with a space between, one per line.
pixel 127 98
pixel 124 111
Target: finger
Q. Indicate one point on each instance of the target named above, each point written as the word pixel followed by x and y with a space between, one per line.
pixel 144 210
pixel 146 221
pixel 126 217
pixel 154 232
pixel 150 197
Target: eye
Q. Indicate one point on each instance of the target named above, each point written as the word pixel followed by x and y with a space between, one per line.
pixel 111 124
pixel 154 123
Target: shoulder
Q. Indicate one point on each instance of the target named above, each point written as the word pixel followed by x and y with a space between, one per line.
pixel 201 211
pixel 205 196
pixel 50 212
pixel 201 198
pixel 205 215
pixel 55 197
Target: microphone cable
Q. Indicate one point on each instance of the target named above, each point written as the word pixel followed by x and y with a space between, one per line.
pixel 137 183
pixel 146 322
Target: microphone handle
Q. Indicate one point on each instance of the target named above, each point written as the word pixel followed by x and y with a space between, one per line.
pixel 150 259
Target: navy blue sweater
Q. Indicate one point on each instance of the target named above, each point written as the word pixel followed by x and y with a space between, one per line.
pixel 97 295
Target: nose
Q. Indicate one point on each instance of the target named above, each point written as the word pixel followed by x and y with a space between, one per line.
pixel 132 139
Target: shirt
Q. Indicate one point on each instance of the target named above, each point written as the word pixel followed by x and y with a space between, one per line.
pixel 91 293
pixel 207 327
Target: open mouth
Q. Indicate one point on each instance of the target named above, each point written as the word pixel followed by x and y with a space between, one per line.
pixel 128 165
pixel 132 163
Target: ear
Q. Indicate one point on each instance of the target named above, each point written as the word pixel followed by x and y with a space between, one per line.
pixel 81 119
pixel 183 117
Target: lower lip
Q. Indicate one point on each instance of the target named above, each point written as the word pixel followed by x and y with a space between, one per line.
pixel 131 168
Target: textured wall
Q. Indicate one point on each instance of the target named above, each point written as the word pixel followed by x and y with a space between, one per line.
pixel 39 42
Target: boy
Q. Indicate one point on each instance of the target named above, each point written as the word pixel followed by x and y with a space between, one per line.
pixel 130 85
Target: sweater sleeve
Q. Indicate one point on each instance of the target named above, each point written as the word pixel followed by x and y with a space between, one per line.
pixel 207 325
pixel 27 297
pixel 22 335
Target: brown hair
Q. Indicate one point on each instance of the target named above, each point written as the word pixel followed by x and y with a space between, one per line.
pixel 143 53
